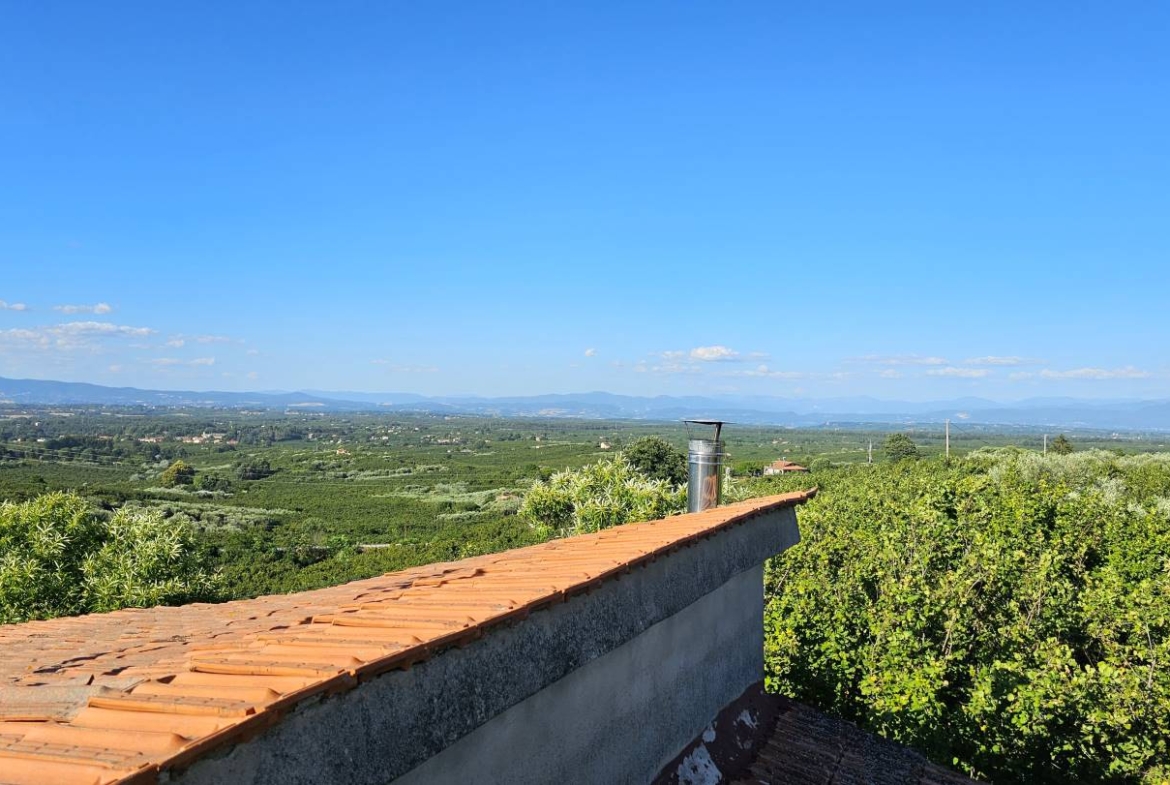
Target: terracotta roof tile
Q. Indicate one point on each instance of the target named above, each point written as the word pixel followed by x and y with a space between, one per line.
pixel 117 697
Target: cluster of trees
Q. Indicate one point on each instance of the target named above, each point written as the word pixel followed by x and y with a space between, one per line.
pixel 254 469
pixel 59 556
pixel 900 447
pixel 178 473
pixel 181 473
pixel 1007 613
pixel 645 482
pixel 75 447
pixel 213 482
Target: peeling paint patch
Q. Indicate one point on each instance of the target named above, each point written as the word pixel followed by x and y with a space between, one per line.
pixel 731 740
pixel 698 768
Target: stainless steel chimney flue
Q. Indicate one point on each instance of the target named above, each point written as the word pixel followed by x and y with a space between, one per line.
pixel 705 469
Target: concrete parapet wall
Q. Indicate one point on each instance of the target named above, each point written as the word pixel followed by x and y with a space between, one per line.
pixel 606 687
pixel 623 716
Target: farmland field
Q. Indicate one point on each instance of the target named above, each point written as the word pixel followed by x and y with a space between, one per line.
pixel 343 497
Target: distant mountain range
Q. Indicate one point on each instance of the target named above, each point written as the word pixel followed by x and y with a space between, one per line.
pixel 1136 415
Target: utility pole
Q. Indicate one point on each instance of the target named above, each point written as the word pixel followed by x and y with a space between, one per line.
pixel 948 438
pixel 1045 444
pixel 871 450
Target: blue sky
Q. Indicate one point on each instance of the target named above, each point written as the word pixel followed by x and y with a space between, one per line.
pixel 904 200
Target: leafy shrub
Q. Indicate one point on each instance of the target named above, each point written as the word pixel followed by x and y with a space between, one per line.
pixel 59 557
pixel 604 494
pixel 1008 613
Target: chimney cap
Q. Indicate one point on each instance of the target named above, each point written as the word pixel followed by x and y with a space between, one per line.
pixel 718 424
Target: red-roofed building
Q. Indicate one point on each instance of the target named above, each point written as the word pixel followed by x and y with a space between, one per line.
pixel 783 467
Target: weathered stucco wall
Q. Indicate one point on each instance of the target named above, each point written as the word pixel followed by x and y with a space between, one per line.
pixel 606 687
pixel 623 716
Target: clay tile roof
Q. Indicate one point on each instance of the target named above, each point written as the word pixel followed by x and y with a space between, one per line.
pixel 185 680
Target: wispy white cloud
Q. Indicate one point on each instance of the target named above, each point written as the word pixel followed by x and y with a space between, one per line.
pixel 166 362
pixel 670 365
pixel 890 373
pixel 959 373
pixel 764 371
pixel 179 340
pixel 97 308
pixel 18 336
pixel 897 359
pixel 711 354
pixel 100 329
pixel 394 367
pixel 7 306
pixel 590 352
pixel 70 336
pixel 716 353
pixel 1000 361
pixel 1127 372
pixel 684 363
